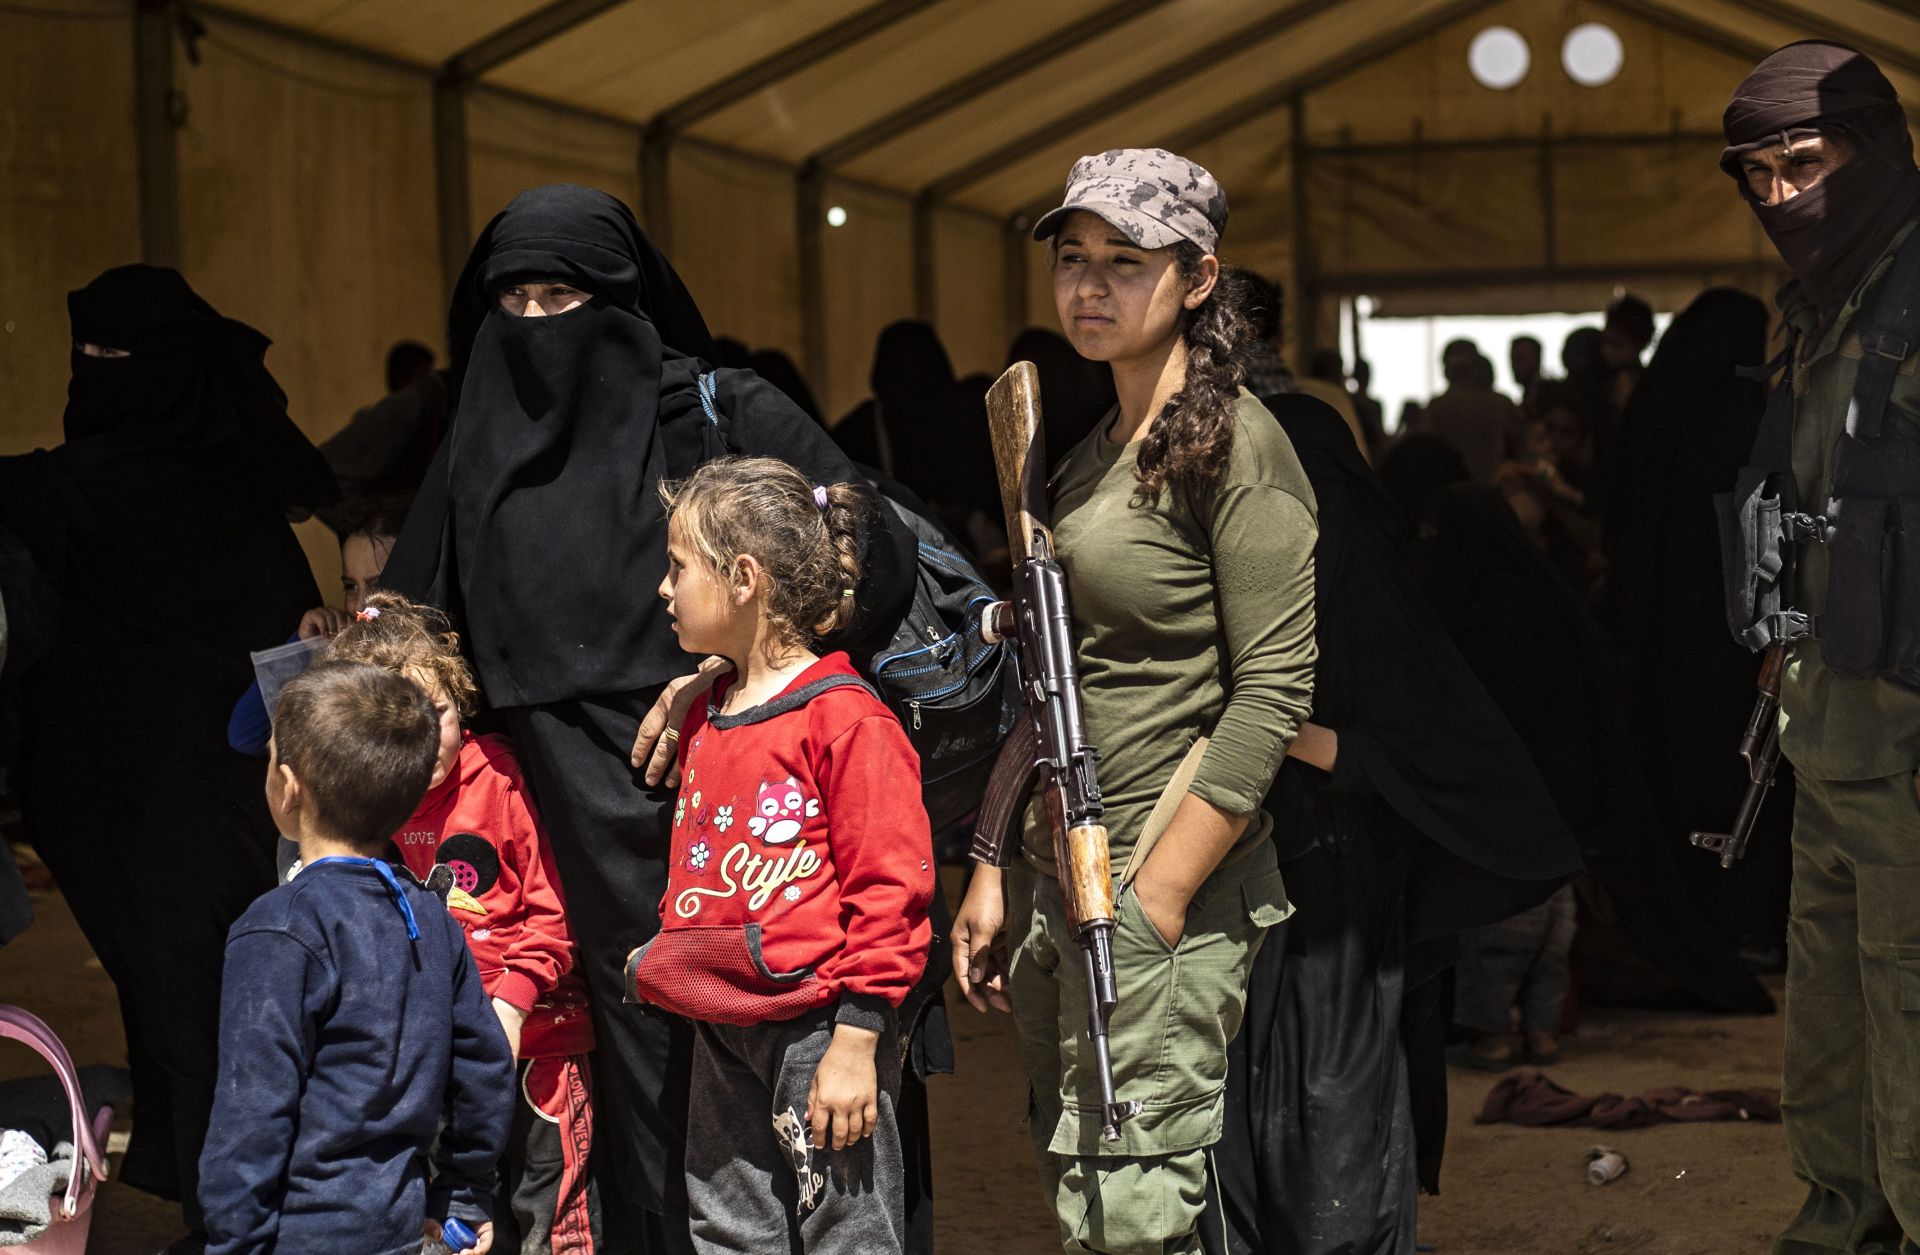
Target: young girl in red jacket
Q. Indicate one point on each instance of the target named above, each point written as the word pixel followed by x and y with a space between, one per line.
pixel 476 837
pixel 795 917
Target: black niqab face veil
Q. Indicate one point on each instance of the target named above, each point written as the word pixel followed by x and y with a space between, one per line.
pixel 558 540
pixel 1830 234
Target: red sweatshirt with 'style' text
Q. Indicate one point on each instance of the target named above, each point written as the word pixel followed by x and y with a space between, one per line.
pixel 801 866
pixel 480 823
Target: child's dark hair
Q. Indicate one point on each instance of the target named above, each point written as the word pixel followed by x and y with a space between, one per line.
pixel 812 540
pixel 377 515
pixel 1192 440
pixel 411 639
pixel 362 742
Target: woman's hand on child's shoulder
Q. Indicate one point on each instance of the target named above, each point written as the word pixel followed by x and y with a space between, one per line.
pixel 657 744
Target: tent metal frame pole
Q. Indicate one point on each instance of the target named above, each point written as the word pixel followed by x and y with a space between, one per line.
pixel 452 182
pixel 926 278
pixel 1165 77
pixel 1306 302
pixel 156 145
pixel 1513 143
pixel 452 188
pixel 656 186
pixel 521 37
pixel 789 61
pixel 809 197
pixel 1362 282
pixel 965 90
pixel 1677 23
pixel 1880 50
pixel 1548 226
pixel 1015 250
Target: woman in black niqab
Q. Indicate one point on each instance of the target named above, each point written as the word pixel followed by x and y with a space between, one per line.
pixel 161 525
pixel 911 379
pixel 540 531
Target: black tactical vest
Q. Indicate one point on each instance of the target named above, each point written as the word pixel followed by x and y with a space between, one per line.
pixel 1870 520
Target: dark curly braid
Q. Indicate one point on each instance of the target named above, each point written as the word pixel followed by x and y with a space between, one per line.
pixel 1191 441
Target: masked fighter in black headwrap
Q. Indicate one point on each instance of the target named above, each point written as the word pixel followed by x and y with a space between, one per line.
pixel 161 522
pixel 1819 148
pixel 540 530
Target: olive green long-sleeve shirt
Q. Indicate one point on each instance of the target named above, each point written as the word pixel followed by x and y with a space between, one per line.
pixel 1191 618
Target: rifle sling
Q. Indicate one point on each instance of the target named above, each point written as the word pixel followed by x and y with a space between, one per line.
pixel 1161 817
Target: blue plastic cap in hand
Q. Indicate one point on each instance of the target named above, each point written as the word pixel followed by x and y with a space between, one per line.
pixel 458 1236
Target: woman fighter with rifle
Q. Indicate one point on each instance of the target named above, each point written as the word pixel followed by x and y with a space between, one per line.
pixel 1183 527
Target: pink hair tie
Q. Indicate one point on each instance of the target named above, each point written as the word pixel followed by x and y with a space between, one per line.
pixel 820 497
pixel 369 614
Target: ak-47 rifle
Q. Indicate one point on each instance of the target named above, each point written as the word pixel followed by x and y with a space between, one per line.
pixel 1760 746
pixel 1050 737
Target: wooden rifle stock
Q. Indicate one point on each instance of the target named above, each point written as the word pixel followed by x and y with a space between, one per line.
pixel 1020 457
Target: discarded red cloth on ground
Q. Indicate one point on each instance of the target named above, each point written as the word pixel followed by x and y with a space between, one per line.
pixel 1529 1097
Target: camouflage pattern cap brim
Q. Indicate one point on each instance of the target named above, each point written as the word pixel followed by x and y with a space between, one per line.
pixel 1154 197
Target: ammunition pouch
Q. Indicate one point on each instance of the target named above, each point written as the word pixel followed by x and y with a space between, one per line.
pixel 1870 624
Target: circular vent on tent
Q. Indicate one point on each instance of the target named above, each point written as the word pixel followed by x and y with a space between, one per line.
pixel 1592 55
pixel 1499 57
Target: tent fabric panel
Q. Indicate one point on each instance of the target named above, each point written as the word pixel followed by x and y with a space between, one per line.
pixel 1154 119
pixel 514 144
pixel 1665 203
pixel 1106 61
pixel 1568 296
pixel 637 59
pixel 1741 24
pixel 734 242
pixel 804 112
pixel 868 282
pixel 308 212
pixel 970 304
pixel 68 206
pixel 1438 212
pixel 1665 83
pixel 426 32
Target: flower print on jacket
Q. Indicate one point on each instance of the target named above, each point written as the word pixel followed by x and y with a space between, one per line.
pixel 723 818
pixel 697 857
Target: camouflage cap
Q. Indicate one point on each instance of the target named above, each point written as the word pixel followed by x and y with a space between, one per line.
pixel 1154 197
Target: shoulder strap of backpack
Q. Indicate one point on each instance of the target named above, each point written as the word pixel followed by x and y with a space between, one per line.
pixel 786 703
pixel 1891 335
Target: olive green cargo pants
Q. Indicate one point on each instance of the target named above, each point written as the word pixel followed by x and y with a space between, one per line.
pixel 1179 1007
pixel 1851 1094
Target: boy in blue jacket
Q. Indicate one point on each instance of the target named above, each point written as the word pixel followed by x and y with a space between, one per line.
pixel 352 1019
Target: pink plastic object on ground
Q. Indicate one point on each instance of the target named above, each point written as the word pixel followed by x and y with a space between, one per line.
pixel 73 1214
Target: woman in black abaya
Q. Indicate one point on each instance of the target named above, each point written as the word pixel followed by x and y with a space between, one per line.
pixel 1685 432
pixel 161 523
pixel 1431 820
pixel 540 530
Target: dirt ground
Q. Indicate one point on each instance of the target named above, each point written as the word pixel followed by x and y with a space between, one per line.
pixel 1717 1189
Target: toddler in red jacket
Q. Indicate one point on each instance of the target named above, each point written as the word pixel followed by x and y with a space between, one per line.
pixel 800 874
pixel 476 838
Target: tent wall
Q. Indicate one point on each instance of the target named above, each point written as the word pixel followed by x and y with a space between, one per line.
pixel 736 243
pixel 307 210
pixel 970 300
pixel 868 265
pixel 67 210
pixel 514 144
